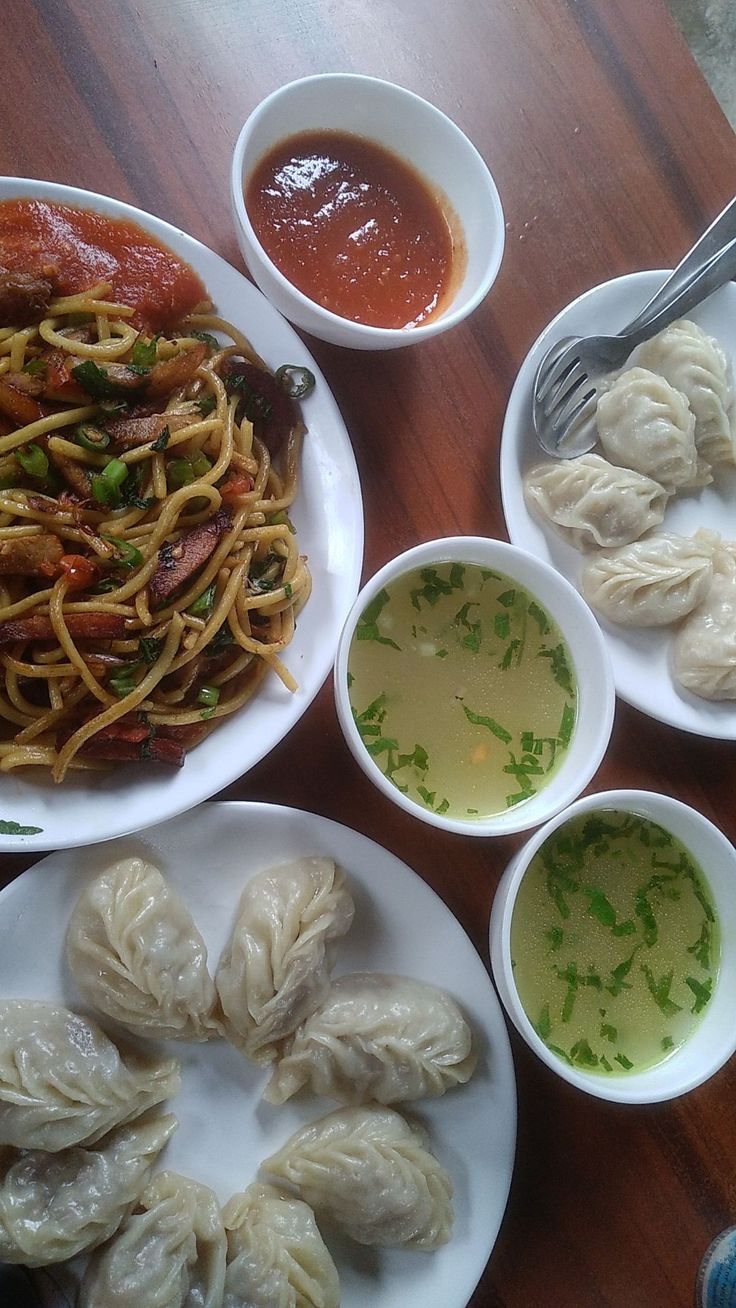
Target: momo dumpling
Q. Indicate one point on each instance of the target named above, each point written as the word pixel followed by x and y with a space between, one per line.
pixel 169 1254
pixel 370 1172
pixel 705 646
pixel 276 1257
pixel 137 956
pixel 54 1206
pixel 695 365
pixel 591 503
pixel 377 1037
pixel 276 969
pixel 645 424
pixel 63 1082
pixel 652 582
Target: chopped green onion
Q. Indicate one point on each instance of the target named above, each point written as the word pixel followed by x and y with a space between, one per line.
pixel 144 352
pixel 106 484
pixel 208 695
pixel 204 603
pixel 179 472
pixel 91 438
pixel 276 520
pixel 296 380
pixel 128 555
pixel 201 465
pixel 123 684
pixel 33 460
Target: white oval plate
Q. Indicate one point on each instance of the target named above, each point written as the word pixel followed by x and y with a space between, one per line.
pixel 328 516
pixel 225 1130
pixel 641 657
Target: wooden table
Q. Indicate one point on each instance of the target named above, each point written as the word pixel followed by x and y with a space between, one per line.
pixel 610 155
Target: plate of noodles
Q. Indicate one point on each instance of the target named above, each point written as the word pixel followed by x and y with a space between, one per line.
pixel 181 523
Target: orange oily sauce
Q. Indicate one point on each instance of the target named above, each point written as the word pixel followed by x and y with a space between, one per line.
pixel 353 227
pixel 79 248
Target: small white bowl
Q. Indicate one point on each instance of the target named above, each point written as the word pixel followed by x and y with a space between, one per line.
pixel 421 135
pixel 596 696
pixel 712 1042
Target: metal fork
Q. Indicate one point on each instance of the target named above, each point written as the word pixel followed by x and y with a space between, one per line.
pixel 569 376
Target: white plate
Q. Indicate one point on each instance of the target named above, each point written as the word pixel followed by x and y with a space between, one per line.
pixel 328 515
pixel 225 1131
pixel 641 658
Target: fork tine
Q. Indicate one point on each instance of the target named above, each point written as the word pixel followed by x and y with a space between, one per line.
pixel 572 412
pixel 549 373
pixel 575 377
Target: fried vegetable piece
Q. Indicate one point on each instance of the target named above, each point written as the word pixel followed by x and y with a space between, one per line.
pixel 24 297
pixel 99 626
pixel 173 374
pixel 31 556
pixel 179 560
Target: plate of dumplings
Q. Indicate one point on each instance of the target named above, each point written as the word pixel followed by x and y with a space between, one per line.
pixel 644 525
pixel 247 1057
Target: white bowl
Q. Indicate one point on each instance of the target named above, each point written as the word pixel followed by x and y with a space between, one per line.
pixel 417 132
pixel 596 696
pixel 714 1040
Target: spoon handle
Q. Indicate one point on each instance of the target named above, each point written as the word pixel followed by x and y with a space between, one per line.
pixel 720 233
pixel 719 269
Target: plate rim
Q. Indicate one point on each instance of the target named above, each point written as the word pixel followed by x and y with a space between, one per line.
pixel 494 1013
pixel 512 447
pixel 62 835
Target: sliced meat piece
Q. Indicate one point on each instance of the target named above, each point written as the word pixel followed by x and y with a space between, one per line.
pixel 188 734
pixel 75 474
pixel 155 749
pixel 24 298
pixel 83 626
pixel 31 556
pixel 177 562
pixel 129 433
pixel 173 374
pixel 22 408
pixel 272 412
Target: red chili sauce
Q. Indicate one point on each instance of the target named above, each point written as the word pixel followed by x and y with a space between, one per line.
pixel 353 227
pixel 80 247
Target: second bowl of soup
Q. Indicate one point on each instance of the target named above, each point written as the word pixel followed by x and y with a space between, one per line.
pixel 473 686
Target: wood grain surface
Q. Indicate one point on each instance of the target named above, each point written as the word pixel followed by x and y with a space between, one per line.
pixel 610 155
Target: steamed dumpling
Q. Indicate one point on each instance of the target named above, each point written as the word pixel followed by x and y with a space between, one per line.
pixel 591 503
pixel 645 424
pixel 53 1206
pixel 276 969
pixel 170 1253
pixel 386 1038
pixel 276 1257
pixel 695 364
pixel 705 647
pixel 63 1082
pixel 370 1172
pixel 137 956
pixel 654 581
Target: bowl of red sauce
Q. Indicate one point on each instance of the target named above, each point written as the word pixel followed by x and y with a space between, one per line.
pixel 363 212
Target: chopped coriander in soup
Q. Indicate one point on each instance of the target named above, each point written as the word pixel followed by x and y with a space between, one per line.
pixel 614 942
pixel 462 689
